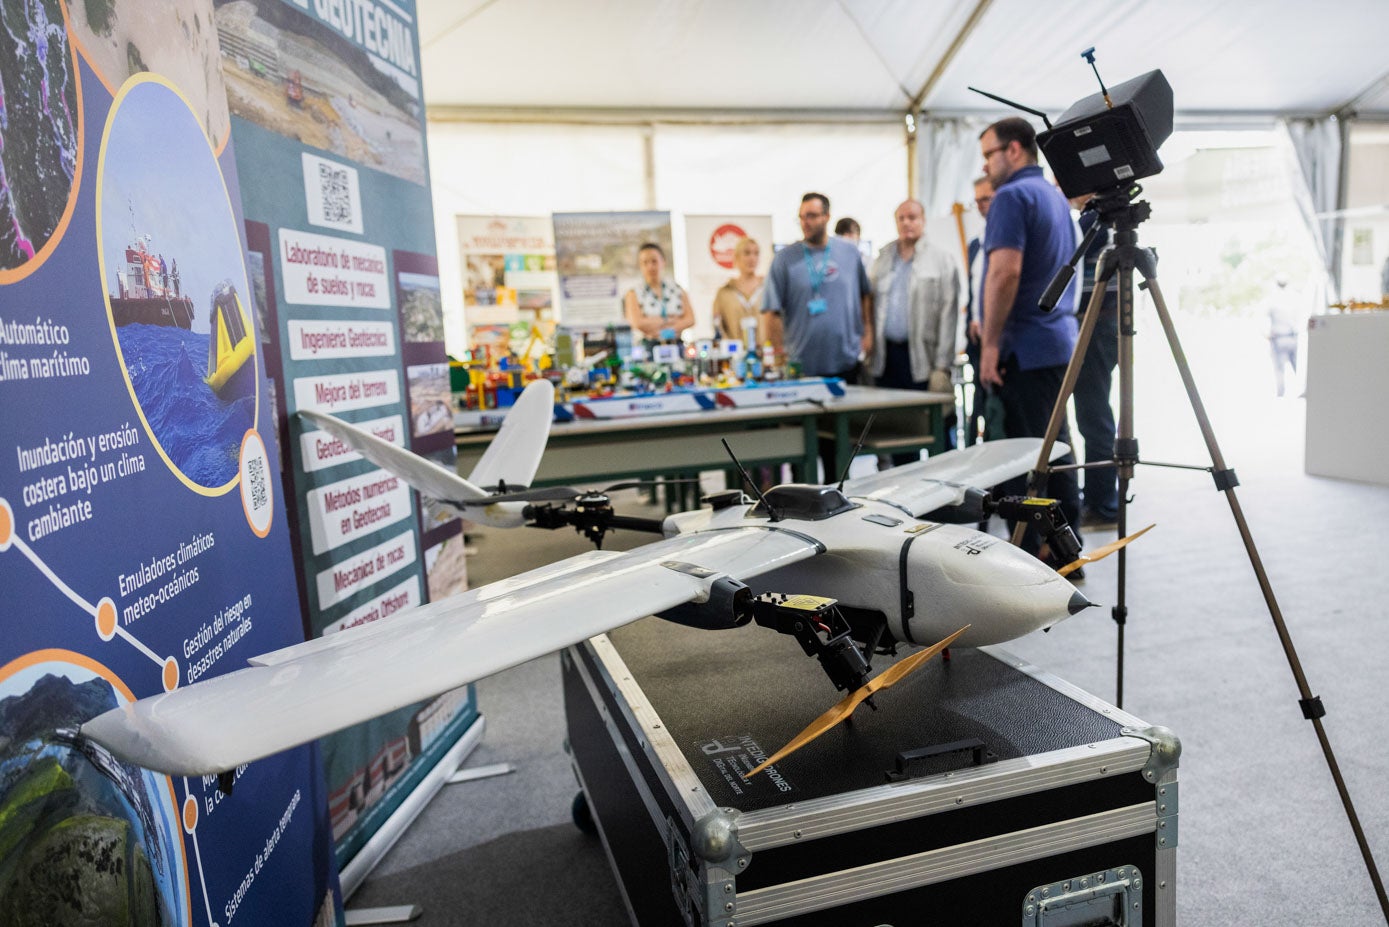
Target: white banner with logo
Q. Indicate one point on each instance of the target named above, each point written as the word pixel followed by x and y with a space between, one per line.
pixel 709 241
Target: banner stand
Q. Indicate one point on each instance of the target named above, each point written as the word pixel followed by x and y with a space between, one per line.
pixel 375 849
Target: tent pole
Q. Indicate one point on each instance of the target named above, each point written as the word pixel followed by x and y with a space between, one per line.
pixel 913 182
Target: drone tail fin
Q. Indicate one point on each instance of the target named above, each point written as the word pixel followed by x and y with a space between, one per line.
pixel 514 454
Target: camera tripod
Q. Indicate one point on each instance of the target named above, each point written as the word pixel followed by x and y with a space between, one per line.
pixel 1116 209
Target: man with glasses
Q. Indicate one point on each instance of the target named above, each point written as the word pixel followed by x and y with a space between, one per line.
pixel 817 305
pixel 1024 351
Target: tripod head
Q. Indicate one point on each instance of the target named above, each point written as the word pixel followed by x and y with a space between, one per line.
pixel 1116 208
pixel 1113 208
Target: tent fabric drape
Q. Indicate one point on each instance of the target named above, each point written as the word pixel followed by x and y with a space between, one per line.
pixel 1317 147
pixel 947 153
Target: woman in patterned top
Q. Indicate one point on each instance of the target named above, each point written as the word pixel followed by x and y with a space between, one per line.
pixel 658 309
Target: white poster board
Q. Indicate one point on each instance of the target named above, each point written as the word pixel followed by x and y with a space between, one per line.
pixel 596 255
pixel 709 242
pixel 508 269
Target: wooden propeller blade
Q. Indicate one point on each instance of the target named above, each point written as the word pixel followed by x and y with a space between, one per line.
pixel 1099 553
pixel 845 707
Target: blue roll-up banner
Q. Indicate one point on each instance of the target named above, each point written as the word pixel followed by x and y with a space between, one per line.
pixel 327 116
pixel 144 538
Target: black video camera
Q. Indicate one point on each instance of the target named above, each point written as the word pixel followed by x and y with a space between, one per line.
pixel 1095 145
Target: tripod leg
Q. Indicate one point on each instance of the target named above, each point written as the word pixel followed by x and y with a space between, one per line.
pixel 1058 410
pixel 1125 456
pixel 1225 480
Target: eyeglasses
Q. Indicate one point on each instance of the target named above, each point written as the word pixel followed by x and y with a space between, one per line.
pixel 812 215
pixel 990 152
pixel 983 200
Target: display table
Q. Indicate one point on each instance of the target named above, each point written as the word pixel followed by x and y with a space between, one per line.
pixel 594 450
pixel 1347 387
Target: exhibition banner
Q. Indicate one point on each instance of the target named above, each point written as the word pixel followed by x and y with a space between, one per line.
pixel 144 539
pixel 596 255
pixel 510 289
pixel 709 242
pixel 327 115
pixel 508 269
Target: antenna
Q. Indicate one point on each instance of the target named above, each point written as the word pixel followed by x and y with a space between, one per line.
pixel 771 513
pixel 1006 102
pixel 1089 55
pixel 863 436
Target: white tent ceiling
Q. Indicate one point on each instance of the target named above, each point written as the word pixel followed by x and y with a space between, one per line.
pixel 873 57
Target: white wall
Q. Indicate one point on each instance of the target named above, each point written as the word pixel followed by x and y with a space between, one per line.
pixel 1367 213
pixel 522 170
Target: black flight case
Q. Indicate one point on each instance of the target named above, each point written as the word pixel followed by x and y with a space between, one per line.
pixel 982 791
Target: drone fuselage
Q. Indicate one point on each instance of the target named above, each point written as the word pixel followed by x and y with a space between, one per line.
pixel 926 578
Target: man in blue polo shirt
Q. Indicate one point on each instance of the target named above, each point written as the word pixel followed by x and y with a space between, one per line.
pixel 1024 351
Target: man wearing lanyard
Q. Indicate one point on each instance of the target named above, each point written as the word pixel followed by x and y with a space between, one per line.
pixel 1023 350
pixel 817 307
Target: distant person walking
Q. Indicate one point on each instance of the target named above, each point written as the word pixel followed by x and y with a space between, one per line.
pixel 1282 337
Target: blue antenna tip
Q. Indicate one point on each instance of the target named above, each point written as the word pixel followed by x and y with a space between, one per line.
pixel 1089 54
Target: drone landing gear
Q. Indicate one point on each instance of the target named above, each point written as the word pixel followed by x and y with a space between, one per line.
pixel 1043 514
pixel 841 638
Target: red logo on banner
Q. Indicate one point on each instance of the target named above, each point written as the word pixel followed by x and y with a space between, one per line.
pixel 721 244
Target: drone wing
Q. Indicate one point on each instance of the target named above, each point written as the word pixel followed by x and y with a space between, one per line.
pixel 923 487
pixel 514 454
pixel 302 692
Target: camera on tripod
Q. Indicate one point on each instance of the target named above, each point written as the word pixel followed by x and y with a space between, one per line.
pixel 1103 144
pixel 1108 139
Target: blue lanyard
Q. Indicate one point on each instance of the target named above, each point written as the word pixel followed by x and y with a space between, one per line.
pixel 815 273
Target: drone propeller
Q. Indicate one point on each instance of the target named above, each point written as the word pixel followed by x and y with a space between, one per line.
pixel 1100 553
pixel 827 721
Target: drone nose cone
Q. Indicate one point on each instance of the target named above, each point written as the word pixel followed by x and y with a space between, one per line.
pixel 1078 603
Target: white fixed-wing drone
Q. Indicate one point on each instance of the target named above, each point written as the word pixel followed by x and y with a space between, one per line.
pixel 890 577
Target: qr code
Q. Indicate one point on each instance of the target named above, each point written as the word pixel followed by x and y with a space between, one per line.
pixel 335 194
pixel 255 479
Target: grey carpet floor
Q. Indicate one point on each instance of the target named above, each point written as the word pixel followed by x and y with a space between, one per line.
pixel 1263 838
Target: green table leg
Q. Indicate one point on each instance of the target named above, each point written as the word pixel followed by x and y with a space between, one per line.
pixel 843 446
pixel 811 433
